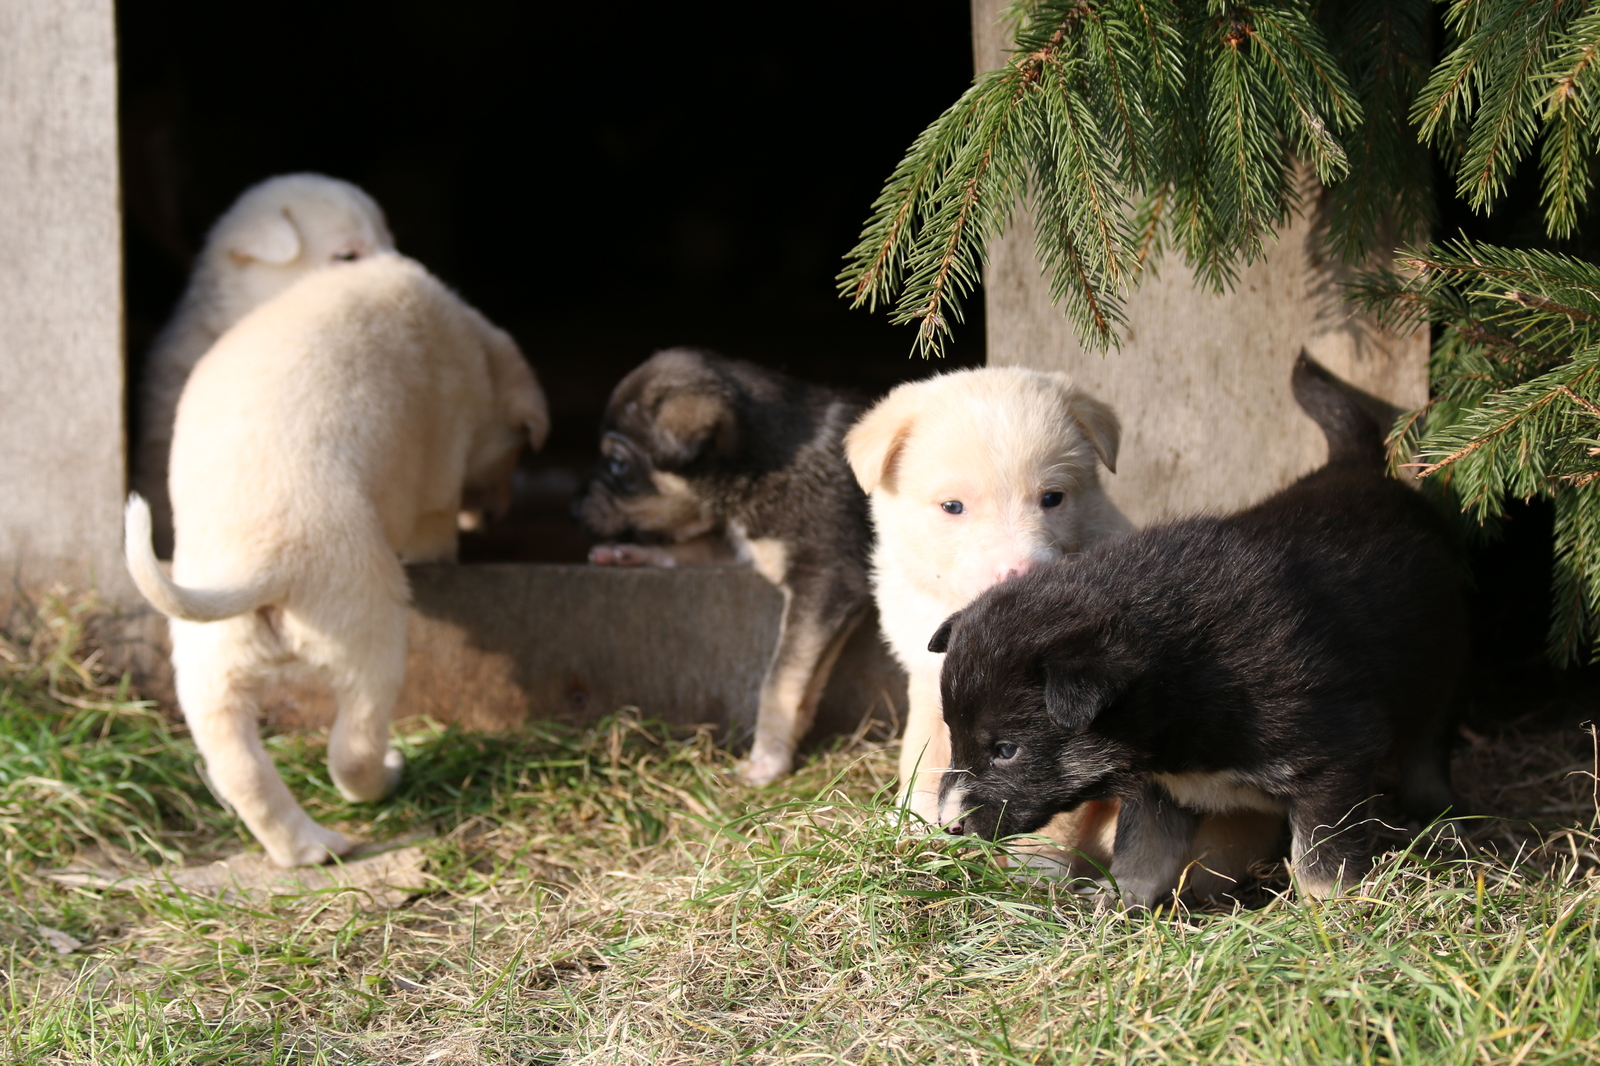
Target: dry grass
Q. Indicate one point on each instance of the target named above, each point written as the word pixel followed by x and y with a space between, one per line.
pixel 613 896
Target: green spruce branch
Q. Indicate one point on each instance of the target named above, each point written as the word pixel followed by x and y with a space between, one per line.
pixel 1127 126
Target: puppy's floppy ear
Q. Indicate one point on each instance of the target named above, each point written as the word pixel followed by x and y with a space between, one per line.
pixel 1095 420
pixel 514 382
pixel 687 424
pixel 1072 697
pixel 537 420
pixel 940 642
pixel 269 237
pixel 1099 423
pixel 873 445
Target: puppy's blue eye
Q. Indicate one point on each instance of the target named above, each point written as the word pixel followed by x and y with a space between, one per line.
pixel 952 507
pixel 618 467
pixel 347 257
pixel 1005 752
pixel 1051 499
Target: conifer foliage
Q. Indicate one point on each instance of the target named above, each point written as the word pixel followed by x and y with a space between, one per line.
pixel 1136 127
pixel 1132 125
pixel 1515 371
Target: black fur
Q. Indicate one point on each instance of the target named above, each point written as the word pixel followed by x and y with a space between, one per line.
pixel 1289 646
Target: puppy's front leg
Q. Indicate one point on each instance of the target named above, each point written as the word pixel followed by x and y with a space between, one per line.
pixel 708 550
pixel 925 747
pixel 809 641
pixel 1155 837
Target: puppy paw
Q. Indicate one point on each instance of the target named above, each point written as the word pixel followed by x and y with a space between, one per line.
pixel 394 764
pixel 311 847
pixel 365 781
pixel 765 767
pixel 630 555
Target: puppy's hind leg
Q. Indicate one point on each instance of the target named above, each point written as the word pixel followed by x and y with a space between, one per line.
pixel 220 668
pixel 1423 754
pixel 809 642
pixel 1425 791
pixel 359 641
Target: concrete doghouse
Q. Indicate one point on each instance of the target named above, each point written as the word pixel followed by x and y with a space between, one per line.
pixel 1201 383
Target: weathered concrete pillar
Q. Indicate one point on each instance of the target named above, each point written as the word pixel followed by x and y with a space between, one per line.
pixel 1201 381
pixel 62 439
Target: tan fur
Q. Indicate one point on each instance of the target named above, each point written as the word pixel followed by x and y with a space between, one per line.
pixel 804 657
pixel 995 439
pixel 674 509
pixel 685 418
pixel 1218 792
pixel 324 438
pixel 274 234
pixel 768 555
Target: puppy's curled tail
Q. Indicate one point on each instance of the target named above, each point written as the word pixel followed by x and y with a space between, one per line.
pixel 1354 438
pixel 169 597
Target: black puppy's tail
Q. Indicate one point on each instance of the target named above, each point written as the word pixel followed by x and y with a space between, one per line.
pixel 1354 438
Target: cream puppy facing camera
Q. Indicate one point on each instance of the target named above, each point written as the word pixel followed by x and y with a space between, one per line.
pixel 973 477
pixel 329 436
pixel 273 235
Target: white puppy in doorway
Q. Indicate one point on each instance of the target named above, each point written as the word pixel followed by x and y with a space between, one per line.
pixel 326 438
pixel 274 234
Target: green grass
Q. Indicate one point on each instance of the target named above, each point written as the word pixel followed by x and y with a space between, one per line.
pixel 613 896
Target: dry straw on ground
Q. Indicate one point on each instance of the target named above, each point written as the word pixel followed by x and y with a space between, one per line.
pixel 614 896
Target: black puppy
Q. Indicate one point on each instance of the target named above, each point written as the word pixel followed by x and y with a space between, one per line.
pixel 693 443
pixel 1266 660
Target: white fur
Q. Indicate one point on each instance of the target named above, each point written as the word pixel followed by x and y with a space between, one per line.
pixel 325 438
pixel 997 440
pixel 273 235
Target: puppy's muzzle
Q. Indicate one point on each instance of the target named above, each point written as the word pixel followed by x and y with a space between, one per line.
pixel 595 509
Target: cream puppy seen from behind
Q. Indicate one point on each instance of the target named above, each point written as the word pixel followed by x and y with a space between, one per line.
pixel 327 437
pixel 273 235
pixel 973 477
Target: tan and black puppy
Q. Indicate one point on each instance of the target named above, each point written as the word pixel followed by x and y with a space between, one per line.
pixel 695 444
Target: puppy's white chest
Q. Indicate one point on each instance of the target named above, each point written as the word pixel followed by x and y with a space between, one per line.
pixel 1225 791
pixel 768 555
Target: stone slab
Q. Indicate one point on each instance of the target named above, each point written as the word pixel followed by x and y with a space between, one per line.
pixel 493 645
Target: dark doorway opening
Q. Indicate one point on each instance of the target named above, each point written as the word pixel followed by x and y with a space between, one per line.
pixel 601 182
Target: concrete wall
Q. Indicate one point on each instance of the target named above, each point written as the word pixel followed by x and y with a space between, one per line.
pixel 61 362
pixel 1201 381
